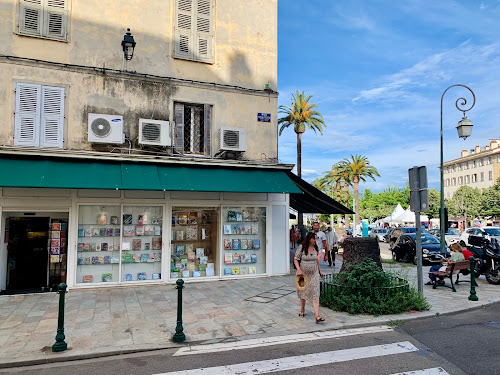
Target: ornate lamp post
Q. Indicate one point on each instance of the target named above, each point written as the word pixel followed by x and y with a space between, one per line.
pixel 464 130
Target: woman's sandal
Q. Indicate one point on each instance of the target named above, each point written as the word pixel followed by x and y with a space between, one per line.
pixel 301 315
pixel 320 319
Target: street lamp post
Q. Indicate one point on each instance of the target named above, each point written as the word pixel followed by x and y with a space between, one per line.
pixel 464 129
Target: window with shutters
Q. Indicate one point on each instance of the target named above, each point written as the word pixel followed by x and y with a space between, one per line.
pixel 192 128
pixel 194 30
pixel 44 18
pixel 39 116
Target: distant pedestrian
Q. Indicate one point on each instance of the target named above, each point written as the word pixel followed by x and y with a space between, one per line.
pixel 307 263
pixel 303 233
pixel 293 236
pixel 332 247
pixel 320 240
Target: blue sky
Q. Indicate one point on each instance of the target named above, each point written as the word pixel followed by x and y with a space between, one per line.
pixel 377 70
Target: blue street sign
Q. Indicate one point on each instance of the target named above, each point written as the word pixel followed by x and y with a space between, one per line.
pixel 264 117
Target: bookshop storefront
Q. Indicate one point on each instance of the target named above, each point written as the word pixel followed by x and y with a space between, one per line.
pixel 130 223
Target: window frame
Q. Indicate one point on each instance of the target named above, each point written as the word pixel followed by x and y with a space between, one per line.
pixel 43 27
pixel 179 128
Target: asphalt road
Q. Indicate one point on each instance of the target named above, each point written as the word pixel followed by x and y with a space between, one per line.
pixel 384 352
pixel 470 339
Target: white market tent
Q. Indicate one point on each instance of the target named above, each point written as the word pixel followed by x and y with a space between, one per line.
pixel 398 211
pixel 409 217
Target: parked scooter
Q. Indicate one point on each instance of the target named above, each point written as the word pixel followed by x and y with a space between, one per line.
pixel 487 255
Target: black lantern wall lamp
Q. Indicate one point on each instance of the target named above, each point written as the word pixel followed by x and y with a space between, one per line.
pixel 128 45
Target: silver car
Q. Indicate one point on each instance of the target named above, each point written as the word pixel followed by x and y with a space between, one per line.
pixel 378 233
pixel 486 232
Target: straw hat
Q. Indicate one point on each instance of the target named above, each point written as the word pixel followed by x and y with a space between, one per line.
pixel 301 282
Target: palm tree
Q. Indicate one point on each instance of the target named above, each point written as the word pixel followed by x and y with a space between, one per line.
pixel 299 114
pixel 332 179
pixel 345 174
pixel 360 169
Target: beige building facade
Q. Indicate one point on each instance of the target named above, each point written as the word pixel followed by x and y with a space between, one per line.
pixel 143 170
pixel 477 168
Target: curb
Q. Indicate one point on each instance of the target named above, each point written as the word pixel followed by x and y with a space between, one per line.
pixel 113 353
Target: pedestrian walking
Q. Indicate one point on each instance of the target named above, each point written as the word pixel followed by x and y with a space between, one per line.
pixel 320 240
pixel 332 247
pixel 293 236
pixel 307 263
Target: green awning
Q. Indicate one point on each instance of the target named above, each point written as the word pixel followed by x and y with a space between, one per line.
pixel 32 172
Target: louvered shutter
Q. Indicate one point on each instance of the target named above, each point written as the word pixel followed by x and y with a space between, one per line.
pixel 52 117
pixel 55 19
pixel 183 32
pixel 207 112
pixel 30 17
pixel 204 31
pixel 27 116
pixel 179 127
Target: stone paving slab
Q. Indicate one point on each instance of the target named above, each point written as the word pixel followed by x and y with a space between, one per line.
pixel 106 321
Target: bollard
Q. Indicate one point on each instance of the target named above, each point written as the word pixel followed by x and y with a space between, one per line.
pixel 60 345
pixel 473 284
pixel 179 335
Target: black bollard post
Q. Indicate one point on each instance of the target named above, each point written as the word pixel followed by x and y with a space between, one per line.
pixel 473 296
pixel 179 335
pixel 60 345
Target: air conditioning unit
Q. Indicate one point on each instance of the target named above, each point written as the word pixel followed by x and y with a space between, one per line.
pixel 105 129
pixel 154 132
pixel 233 139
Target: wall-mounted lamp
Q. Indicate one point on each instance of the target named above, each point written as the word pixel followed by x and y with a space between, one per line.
pixel 128 45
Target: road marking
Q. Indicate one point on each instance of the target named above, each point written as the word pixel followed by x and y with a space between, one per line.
pixel 302 361
pixel 277 340
pixel 427 371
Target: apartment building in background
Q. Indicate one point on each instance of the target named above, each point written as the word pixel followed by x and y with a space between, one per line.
pixel 477 168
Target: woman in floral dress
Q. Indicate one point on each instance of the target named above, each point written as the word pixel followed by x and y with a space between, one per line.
pixel 307 253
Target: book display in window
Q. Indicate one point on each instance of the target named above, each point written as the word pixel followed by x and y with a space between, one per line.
pixel 98 248
pixel 110 237
pixel 194 248
pixel 244 233
pixel 142 243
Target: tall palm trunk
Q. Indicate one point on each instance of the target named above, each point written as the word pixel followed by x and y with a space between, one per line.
pixel 337 189
pixel 346 203
pixel 300 219
pixel 355 181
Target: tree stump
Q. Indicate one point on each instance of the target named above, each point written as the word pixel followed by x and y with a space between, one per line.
pixel 358 248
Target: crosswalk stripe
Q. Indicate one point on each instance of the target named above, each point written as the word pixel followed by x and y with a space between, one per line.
pixel 427 371
pixel 302 361
pixel 278 340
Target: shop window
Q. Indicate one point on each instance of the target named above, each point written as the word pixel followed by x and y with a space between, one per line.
pixel 119 244
pixel 194 251
pixel 244 240
pixel 192 128
pixel 194 30
pixel 39 116
pixel 44 18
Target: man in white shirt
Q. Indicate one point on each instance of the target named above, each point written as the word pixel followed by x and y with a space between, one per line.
pixel 320 240
pixel 331 241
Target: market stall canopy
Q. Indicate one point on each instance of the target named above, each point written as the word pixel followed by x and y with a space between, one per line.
pixel 312 200
pixel 409 217
pixel 73 173
pixel 395 213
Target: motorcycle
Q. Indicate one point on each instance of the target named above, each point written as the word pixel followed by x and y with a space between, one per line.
pixel 487 255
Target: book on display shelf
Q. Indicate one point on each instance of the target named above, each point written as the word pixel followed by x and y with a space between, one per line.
pixel 256 244
pixel 109 232
pixel 193 217
pixel 236 244
pixel 117 232
pixel 80 261
pixel 196 273
pixel 147 245
pixel 148 230
pixel 253 258
pixel 88 232
pixel 114 220
pixel 55 243
pixel 244 244
pixel 102 232
pixel 95 260
pixel 55 250
pixel 246 215
pixel 107 259
pixel 100 259
pixel 200 251
pixel 182 219
pixel 139 230
pixel 88 279
pixel 185 274
pixel 252 270
pixel 228 258
pixel 227 229
pixel 128 277
pixel 62 234
pixel 191 256
pixel 136 258
pixel 246 229
pixel 125 246
pixel 156 243
pixel 142 219
pixel 174 275
pixel 239 216
pixel 128 231
pixel 231 216
pixel 155 220
pixel 104 246
pixel 227 271
pixel 202 267
pixel 101 218
pixel 55 234
pixel 156 276
pixel 191 266
pixel 158 257
pixel 189 248
pixel 243 270
pixel 235 271
pixel 179 235
pixel 210 271
pixel 95 232
pixel 127 258
pixel 136 244
pixel 81 232
pixel 157 230
pixel 56 226
pixel 204 259
pixel 205 233
pixel 80 246
pixel 255 229
pixel 115 260
pixel 54 259
pixel 87 260
pixel 191 233
pixel 141 276
pixel 236 258
pixel 144 257
pixel 228 244
pixel 127 219
pixel 107 277
pixel 180 249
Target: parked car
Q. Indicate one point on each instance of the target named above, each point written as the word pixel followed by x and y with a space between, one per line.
pixel 450 237
pixel 378 233
pixel 486 232
pixel 397 232
pixel 388 234
pixel 405 248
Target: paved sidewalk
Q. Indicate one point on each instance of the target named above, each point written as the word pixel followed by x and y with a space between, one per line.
pixel 125 319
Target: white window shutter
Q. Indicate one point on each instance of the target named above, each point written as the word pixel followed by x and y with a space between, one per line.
pixel 55 19
pixel 179 127
pixel 30 17
pixel 204 31
pixel 183 31
pixel 207 121
pixel 52 117
pixel 27 116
